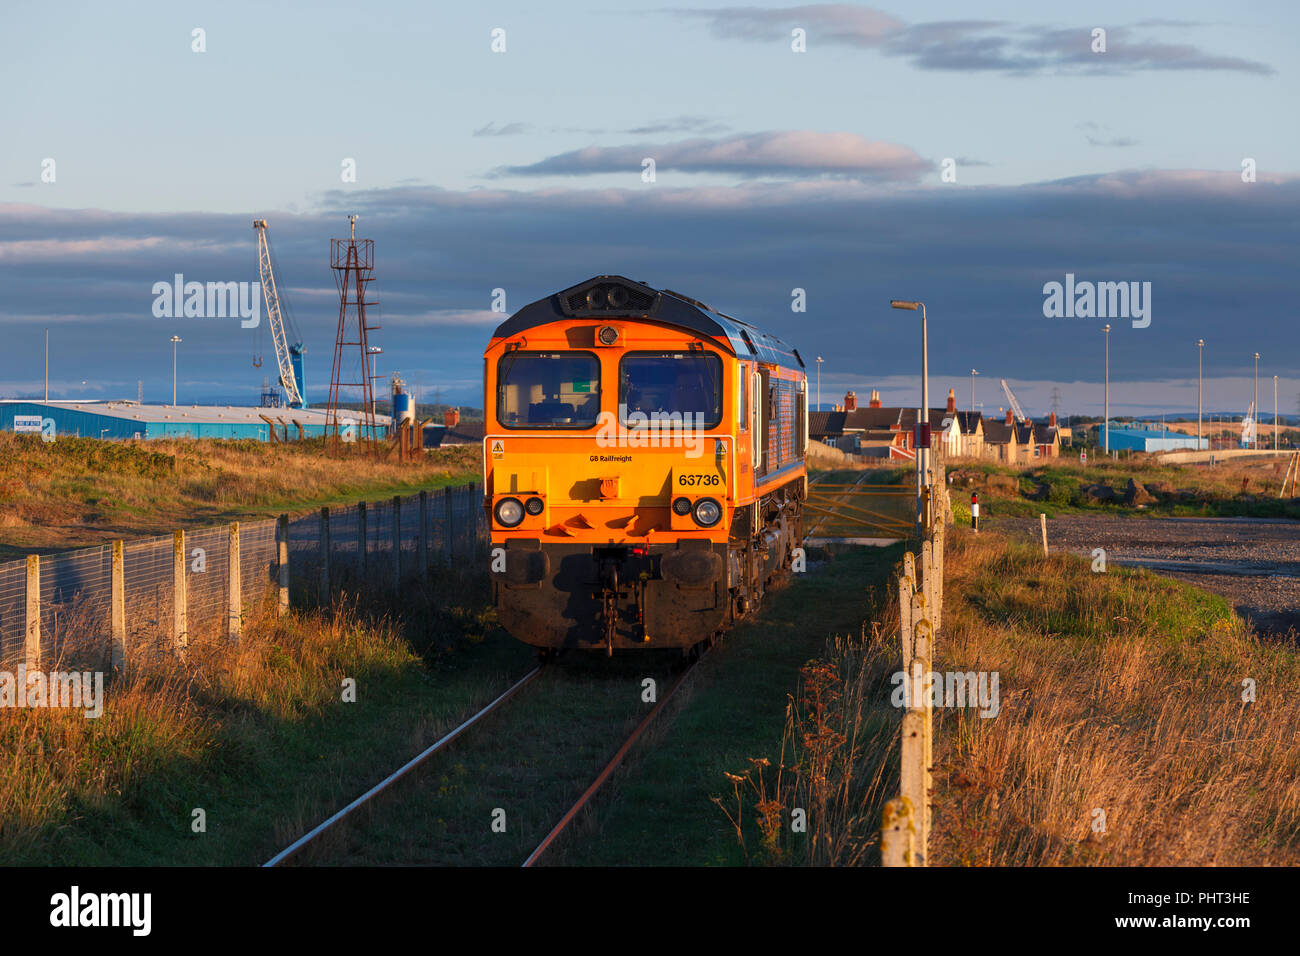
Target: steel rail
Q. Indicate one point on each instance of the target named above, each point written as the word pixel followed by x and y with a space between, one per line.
pixel 400 772
pixel 609 768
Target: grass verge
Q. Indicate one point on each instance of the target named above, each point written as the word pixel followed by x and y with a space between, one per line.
pixel 77 492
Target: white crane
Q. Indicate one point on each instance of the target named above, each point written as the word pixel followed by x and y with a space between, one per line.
pixel 287 356
pixel 1015 405
pixel 1248 427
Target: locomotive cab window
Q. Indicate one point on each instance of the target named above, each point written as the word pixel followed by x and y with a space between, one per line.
pixel 670 386
pixel 548 389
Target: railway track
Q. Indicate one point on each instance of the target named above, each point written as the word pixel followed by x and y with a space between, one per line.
pixel 556 831
pixel 609 768
pixel 401 772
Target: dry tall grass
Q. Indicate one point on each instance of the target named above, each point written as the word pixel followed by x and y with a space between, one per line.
pixel 1121 702
pixel 81 491
pixel 213 717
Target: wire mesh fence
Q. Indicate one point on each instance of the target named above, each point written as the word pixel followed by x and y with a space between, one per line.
pixel 177 588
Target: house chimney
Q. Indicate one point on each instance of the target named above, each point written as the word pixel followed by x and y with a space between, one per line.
pixel 875 399
pixel 850 401
pixel 1052 419
pixel 952 401
pixel 1011 417
pixel 451 417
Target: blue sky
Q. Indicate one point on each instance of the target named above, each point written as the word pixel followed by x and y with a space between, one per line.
pixel 775 170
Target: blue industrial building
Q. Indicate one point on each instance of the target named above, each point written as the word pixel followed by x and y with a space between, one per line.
pixel 133 420
pixel 1154 438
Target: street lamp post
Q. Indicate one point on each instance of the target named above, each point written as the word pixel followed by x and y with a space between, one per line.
pixel 1254 438
pixel 922 419
pixel 175 340
pixel 1275 414
pixel 1200 350
pixel 819 382
pixel 973 373
pixel 1106 438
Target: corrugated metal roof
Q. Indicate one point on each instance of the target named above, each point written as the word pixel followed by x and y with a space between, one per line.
pixel 216 414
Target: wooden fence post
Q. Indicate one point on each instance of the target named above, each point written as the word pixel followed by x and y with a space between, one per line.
pixel 1042 523
pixel 117 609
pixel 397 544
pixel 361 542
pixel 180 596
pixel 424 537
pixel 235 587
pixel 325 556
pixel 898 833
pixel 32 638
pixel 448 530
pixel 282 560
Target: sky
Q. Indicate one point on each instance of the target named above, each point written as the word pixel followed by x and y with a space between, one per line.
pixel 965 155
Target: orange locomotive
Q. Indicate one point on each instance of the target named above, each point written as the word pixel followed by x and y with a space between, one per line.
pixel 643 467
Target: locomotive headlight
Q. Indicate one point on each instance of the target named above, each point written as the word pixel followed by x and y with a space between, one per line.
pixel 707 512
pixel 607 335
pixel 509 512
pixel 534 506
pixel 681 506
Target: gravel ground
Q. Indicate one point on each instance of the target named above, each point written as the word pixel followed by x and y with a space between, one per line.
pixel 1253 562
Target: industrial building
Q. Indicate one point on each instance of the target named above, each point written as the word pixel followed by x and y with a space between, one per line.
pixel 133 420
pixel 1153 438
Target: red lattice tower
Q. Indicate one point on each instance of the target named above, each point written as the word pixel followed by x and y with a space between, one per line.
pixel 353 262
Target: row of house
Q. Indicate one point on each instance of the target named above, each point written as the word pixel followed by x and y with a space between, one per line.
pixel 880 432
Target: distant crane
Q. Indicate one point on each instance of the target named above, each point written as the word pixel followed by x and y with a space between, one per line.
pixel 1015 405
pixel 288 356
pixel 1248 427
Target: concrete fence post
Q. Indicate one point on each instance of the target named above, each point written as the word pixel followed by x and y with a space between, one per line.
pixel 282 562
pixel 912 776
pixel 235 587
pixel 923 648
pixel 361 541
pixel 898 833
pixel 1042 523
pixel 927 572
pixel 397 544
pixel 325 556
pixel 448 528
pixel 423 546
pixel 180 596
pixel 117 609
pixel 905 591
pixel 32 633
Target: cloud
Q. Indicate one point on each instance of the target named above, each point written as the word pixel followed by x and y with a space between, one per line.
pixel 1091 129
pixel 1217 251
pixel 679 124
pixel 507 129
pixel 973 45
pixel 799 153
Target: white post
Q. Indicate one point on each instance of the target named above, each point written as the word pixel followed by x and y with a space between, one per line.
pixel 235 587
pixel 117 609
pixel 180 595
pixel 32 638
